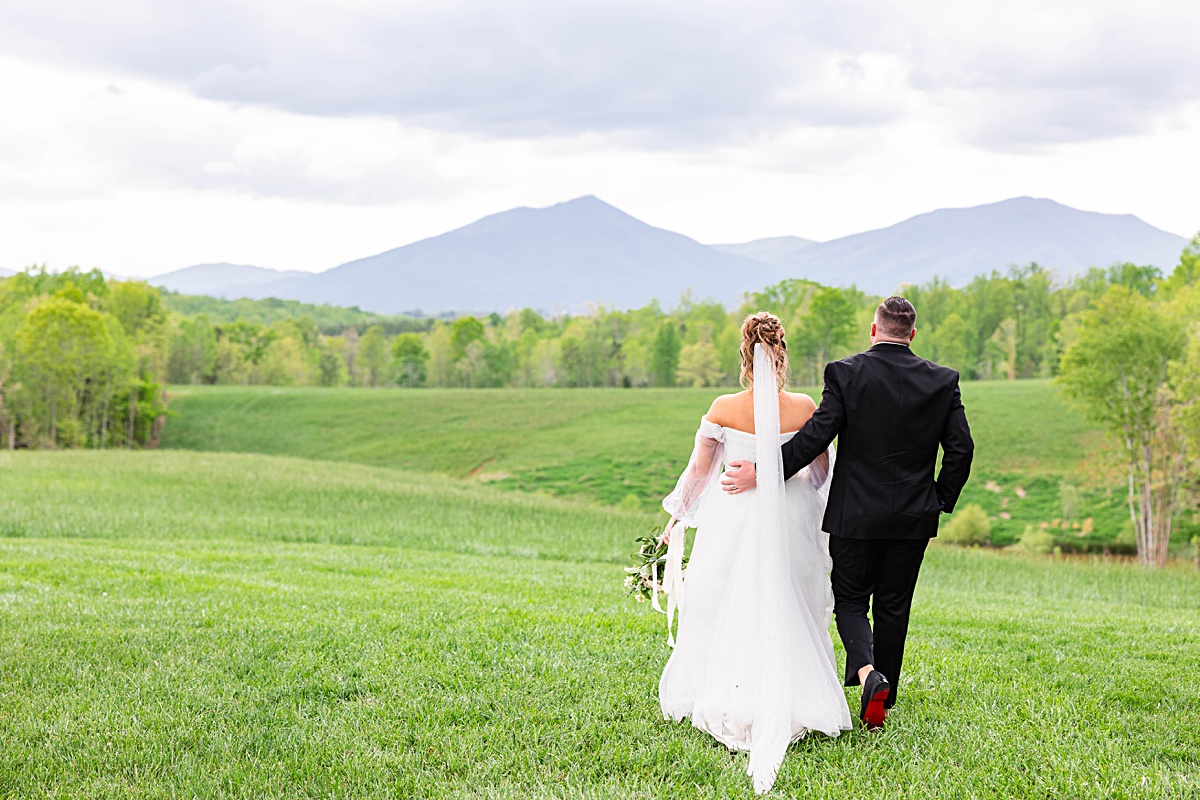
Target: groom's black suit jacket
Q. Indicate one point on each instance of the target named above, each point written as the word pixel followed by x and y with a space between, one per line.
pixel 891 410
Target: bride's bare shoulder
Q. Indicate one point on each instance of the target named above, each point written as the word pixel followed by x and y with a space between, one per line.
pixel 801 400
pixel 724 409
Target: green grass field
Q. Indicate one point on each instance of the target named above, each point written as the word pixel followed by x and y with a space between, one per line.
pixel 626 448
pixel 212 625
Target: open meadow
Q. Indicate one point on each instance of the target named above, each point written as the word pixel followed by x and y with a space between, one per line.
pixel 349 350
pixel 183 624
pixel 626 448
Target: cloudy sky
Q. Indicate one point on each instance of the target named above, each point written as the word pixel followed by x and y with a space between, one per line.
pixel 141 136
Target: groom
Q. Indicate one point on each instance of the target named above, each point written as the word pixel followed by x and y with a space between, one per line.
pixel 891 410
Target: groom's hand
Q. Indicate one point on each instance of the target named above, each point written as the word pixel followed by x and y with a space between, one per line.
pixel 739 477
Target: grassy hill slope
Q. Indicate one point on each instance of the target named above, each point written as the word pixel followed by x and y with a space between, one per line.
pixel 222 625
pixel 627 447
pixel 1018 426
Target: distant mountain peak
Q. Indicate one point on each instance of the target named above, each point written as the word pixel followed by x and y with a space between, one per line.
pixel 1028 203
pixel 588 203
pixel 959 243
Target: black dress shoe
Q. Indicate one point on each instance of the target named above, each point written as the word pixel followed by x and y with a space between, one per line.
pixel 876 691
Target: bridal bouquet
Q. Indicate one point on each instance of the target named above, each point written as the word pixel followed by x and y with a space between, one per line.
pixel 644 578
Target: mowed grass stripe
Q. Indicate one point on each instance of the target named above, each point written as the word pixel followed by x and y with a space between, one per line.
pixel 221 659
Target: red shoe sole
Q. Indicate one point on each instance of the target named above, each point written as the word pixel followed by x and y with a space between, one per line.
pixel 876 712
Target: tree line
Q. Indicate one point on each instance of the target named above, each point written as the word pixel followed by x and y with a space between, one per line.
pixel 1005 325
pixel 330 320
pixel 83 359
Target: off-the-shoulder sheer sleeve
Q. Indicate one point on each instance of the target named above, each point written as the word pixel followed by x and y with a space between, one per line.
pixel 697 479
pixel 703 469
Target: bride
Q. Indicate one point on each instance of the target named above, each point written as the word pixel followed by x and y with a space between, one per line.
pixel 754 663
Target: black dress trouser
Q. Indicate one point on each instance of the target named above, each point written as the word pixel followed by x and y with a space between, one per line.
pixel 885 569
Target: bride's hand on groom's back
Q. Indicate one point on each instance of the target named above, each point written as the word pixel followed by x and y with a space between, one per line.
pixel 740 476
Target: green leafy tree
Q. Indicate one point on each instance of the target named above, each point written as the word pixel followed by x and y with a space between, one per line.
pixel 576 366
pixel 522 358
pixel 284 364
pixel 350 340
pixel 546 362
pixel 70 366
pixel 586 352
pixel 785 299
pixel 530 320
pixel 472 367
pixel 192 354
pixel 230 365
pixel 1187 273
pixel 1185 376
pixel 137 306
pixel 252 339
pixel 1037 312
pixel 664 360
pixel 500 363
pixel 699 365
pixel 1116 371
pixel 142 410
pixel 988 301
pixel 829 323
pixel 728 345
pixel 410 357
pixel 373 355
pixel 464 331
pixel 331 363
pixel 951 343
pixel 441 355
pixel 1143 280
pixel 1002 349
pixel 87 288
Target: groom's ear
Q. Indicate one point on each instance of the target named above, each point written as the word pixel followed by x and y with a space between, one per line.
pixel 872 330
pixel 912 335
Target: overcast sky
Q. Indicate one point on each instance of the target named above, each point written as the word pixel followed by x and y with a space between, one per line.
pixel 145 136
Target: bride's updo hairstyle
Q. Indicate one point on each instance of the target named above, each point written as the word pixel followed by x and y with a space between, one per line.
pixel 766 329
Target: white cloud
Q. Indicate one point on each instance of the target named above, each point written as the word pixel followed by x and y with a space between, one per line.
pixel 144 136
pixel 675 73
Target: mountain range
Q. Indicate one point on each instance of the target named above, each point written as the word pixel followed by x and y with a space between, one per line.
pixel 777 249
pixel 586 251
pixel 201 278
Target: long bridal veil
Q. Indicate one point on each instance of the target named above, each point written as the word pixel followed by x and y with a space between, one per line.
pixel 772 730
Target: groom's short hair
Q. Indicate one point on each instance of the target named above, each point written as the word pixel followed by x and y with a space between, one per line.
pixel 896 317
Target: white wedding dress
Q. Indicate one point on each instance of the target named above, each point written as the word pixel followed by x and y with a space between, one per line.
pixel 754 663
